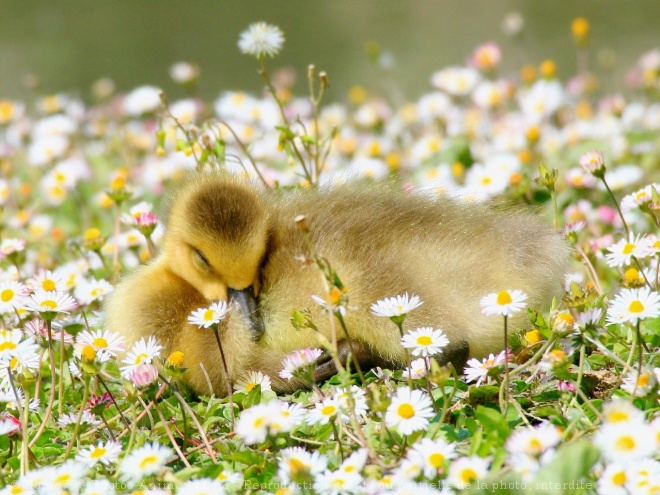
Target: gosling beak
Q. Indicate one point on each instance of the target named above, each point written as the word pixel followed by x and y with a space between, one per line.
pixel 246 302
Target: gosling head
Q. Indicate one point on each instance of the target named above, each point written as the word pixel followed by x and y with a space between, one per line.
pixel 216 235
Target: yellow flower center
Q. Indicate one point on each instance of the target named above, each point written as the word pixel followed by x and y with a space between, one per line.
pixel 631 275
pixel 63 479
pixel 625 443
pixel 618 417
pixel 7 295
pixel 533 336
pixel 49 303
pixel 48 285
pixel 619 478
pixel 140 357
pixel 486 180
pixel 92 234
pixel 628 248
pixel 297 466
pixel 424 340
pixel 13 364
pixel 503 297
pixel 150 459
pixel 259 422
pixel 643 380
pixel 88 353
pixel 406 411
pixel 7 346
pixel 250 386
pixel 100 342
pixel 636 307
pixel 97 453
pixel 565 318
pixel 209 314
pixel 468 475
pixel 328 410
pixel 118 183
pixel 436 459
pixel 535 445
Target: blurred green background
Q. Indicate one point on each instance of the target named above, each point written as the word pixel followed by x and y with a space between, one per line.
pixel 69 44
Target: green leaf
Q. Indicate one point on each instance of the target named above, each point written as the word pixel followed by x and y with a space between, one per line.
pixel 492 421
pixel 566 473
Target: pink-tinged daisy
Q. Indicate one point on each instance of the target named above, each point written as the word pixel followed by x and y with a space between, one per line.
pixel 251 380
pixel 632 305
pixel 435 455
pixel 478 370
pixel 425 341
pixel 300 363
pixel 144 461
pixel 100 341
pixel 651 245
pixel 465 471
pixel 105 453
pixel 396 307
pixel 207 317
pixel 12 296
pixel 504 302
pixel 296 464
pixel 50 303
pixel 47 280
pixel 143 375
pixel 625 441
pixel 593 162
pixel 71 418
pixel 261 39
pixel 8 426
pixel 622 252
pixel 144 350
pixel 409 411
pixel 11 246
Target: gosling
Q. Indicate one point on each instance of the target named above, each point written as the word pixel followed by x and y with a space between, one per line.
pixel 228 239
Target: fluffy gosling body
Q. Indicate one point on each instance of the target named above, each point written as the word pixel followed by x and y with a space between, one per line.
pixel 225 236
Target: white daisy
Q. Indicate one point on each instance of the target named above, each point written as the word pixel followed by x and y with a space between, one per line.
pixel 71 418
pixel 50 303
pixel 360 407
pixel 252 425
pixel 621 411
pixel 465 471
pixel 207 317
pixel 625 441
pixel 296 463
pixel 632 305
pixel 417 369
pixel 621 253
pixel 324 411
pixel 478 370
pixel 593 162
pixel 100 340
pixel 88 291
pixel 338 482
pixel 12 296
pixel 251 380
pixel 143 351
pixel 98 487
pixel 639 383
pixel 201 486
pixel 47 280
pixel 533 442
pixel 8 426
pixel 144 461
pixel 613 479
pixel 504 302
pixel 261 39
pixel 396 307
pixel 285 417
pixel 409 411
pixel 425 341
pixel 435 454
pixel 105 453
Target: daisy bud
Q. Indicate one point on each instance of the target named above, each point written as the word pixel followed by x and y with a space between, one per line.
pixel 146 223
pixel 145 374
pixel 93 239
pixel 593 162
pixel 580 31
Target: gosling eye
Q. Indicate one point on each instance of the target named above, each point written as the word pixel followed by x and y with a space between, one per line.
pixel 201 260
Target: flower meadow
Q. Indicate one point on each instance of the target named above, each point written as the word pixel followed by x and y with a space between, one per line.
pixel 569 406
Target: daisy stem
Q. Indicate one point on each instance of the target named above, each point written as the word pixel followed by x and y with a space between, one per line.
pixel 112 398
pixel 246 152
pixel 642 272
pixel 264 73
pixel 400 325
pixel 230 392
pixel 76 428
pixel 618 208
pixel 107 427
pixel 505 384
pixel 60 392
pixel 629 361
pixel 339 445
pixel 25 459
pixel 170 436
pixel 51 395
pixel 350 345
pixel 447 400
pixel 578 381
pixel 555 209
pixel 428 383
pixel 640 343
pixel 133 429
